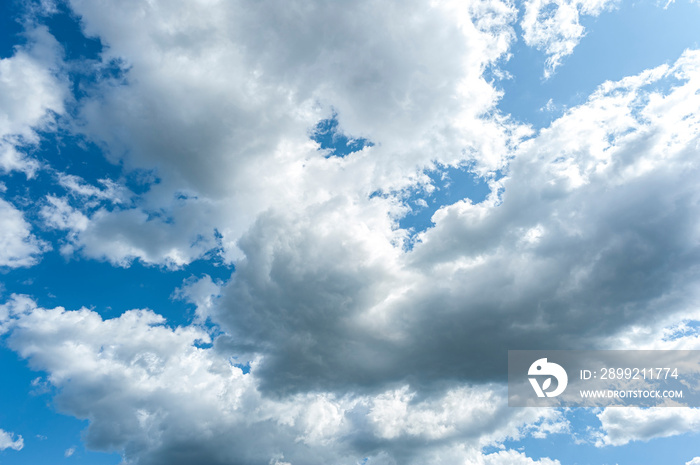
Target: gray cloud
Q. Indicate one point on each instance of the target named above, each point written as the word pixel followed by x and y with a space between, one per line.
pixel 594 232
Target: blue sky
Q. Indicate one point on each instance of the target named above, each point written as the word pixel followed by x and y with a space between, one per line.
pixel 297 232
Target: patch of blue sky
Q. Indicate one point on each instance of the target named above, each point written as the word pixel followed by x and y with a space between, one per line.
pixel 245 367
pixel 687 329
pixel 65 27
pixel 11 36
pixel 61 22
pixel 577 447
pixel 61 151
pixel 624 41
pixel 451 184
pixel 107 289
pixel 336 143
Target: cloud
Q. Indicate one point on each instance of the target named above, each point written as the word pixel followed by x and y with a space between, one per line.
pixel 8 441
pixel 31 95
pixel 695 461
pixel 110 191
pixel 170 237
pixel 154 394
pixel 202 292
pixel 18 246
pixel 407 76
pixel 512 457
pixel 619 426
pixel 57 213
pixel 592 231
pixel 69 452
pixel 553 26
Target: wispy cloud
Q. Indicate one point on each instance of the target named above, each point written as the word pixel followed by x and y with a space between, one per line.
pixel 554 26
pixel 8 441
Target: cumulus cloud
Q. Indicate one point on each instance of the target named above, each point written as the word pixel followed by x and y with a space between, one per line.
pixel 622 425
pixel 574 245
pixel 8 441
pixel 156 395
pixel 553 26
pixel 18 246
pixel 406 76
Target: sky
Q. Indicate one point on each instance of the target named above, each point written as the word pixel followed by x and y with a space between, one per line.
pixel 297 232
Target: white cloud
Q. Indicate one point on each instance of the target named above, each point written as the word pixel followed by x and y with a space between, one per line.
pixel 57 213
pixel 695 461
pixel 18 246
pixel 110 191
pixel 172 237
pixel 619 426
pixel 30 95
pixel 202 292
pixel 553 26
pixel 8 441
pixel 69 452
pixel 511 457
pixel 407 76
